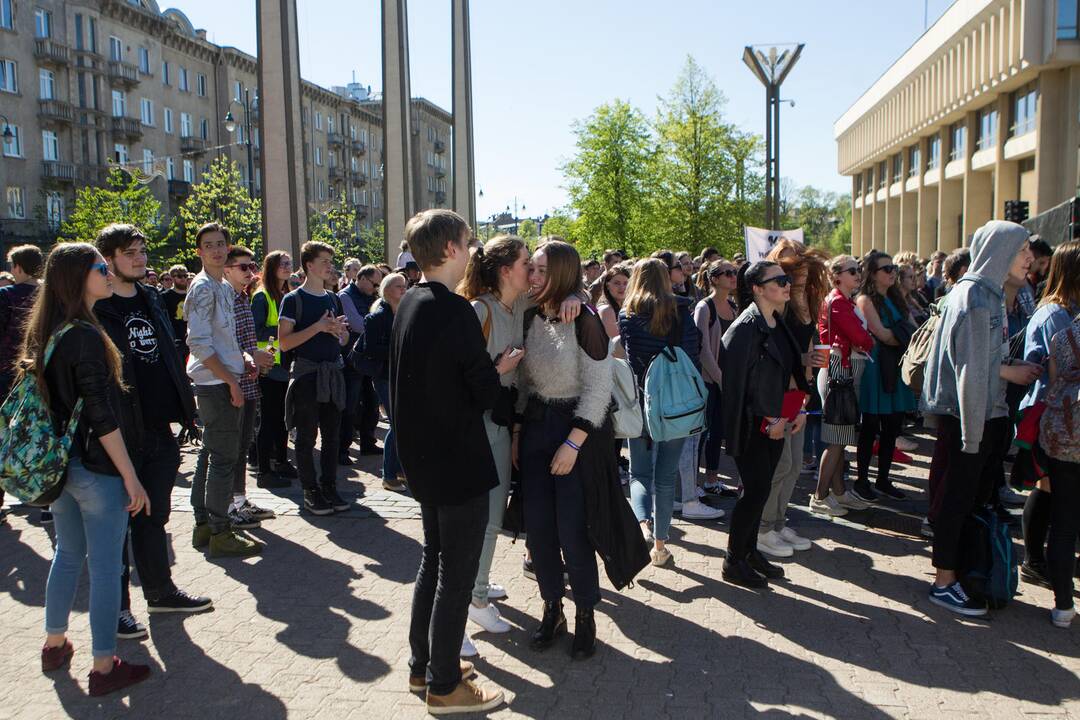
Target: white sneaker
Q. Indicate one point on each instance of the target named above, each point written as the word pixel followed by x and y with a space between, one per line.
pixel 496 592
pixel 905 444
pixel 829 506
pixel 849 501
pixel 698 510
pixel 646 531
pixel 1062 618
pixel 488 618
pixel 795 540
pixel 772 544
pixel 467 647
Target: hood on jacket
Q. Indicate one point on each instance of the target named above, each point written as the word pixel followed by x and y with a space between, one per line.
pixel 993 248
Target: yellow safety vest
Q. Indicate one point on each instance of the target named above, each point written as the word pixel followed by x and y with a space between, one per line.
pixel 271 322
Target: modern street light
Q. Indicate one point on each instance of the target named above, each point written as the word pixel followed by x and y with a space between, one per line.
pixel 230 126
pixel 516 218
pixel 771 66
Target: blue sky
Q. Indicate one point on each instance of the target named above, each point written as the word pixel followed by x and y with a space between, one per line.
pixel 540 64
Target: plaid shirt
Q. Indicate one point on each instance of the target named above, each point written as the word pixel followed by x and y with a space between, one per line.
pixel 245 336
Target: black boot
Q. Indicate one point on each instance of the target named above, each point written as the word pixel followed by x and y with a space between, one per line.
pixel 332 496
pixel 584 644
pixel 763 566
pixel 739 572
pixel 551 626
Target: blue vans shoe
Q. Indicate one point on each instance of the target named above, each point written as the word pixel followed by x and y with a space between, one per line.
pixel 952 597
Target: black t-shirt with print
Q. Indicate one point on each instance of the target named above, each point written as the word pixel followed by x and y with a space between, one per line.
pixel 157 393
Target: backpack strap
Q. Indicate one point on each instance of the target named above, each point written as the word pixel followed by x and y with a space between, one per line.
pixel 486 329
pixel 712 312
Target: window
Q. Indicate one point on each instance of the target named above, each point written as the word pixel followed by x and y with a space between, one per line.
pixel 147 161
pixel 42 23
pixel 9 76
pixel 1068 11
pixel 238 90
pixel 883 173
pixel 120 153
pixel 170 168
pixel 78 29
pixel 144 60
pixel 858 184
pixel 119 103
pixel 322 190
pixel 1023 110
pixel 898 167
pixel 189 171
pixel 200 85
pixel 330 124
pixel 93 35
pixel 54 209
pixel 15 207
pixel 185 125
pixel 204 129
pixel 50 145
pixel 146 112
pixel 168 121
pixel 914 161
pixel 164 73
pixel 318 121
pixel 6 17
pixel 957 140
pixel 318 156
pixel 988 128
pixel 933 152
pixel 183 83
pixel 116 48
pixel 46 84
pixel 13 147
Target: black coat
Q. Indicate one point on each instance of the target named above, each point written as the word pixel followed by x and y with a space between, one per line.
pixel 754 376
pixel 441 382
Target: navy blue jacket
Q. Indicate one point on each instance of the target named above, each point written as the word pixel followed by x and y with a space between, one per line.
pixel 642 346
pixel 377 328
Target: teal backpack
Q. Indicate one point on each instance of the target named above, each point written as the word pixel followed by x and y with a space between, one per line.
pixel 33 459
pixel 675 396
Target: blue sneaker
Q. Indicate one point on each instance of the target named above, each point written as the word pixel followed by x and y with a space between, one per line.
pixel 952 597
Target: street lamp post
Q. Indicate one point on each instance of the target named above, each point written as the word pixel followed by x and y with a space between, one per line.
pixel 771 66
pixel 516 218
pixel 230 125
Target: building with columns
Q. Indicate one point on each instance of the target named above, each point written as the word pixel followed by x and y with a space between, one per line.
pixel 982 109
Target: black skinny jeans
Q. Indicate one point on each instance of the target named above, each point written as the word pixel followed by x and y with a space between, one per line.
pixel 969 482
pixel 453 538
pixel 1064 527
pixel 361 413
pixel 272 438
pixel 714 418
pixel 309 416
pixel 885 428
pixel 756 465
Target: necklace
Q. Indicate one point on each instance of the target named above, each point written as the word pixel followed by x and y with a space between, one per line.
pixel 506 307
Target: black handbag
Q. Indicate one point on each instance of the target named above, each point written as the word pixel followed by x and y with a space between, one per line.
pixel 841 405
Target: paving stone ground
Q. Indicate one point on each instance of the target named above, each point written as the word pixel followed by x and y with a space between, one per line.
pixel 316 628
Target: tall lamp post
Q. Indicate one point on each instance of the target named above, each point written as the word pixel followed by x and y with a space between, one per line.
pixel 230 126
pixel 771 66
pixel 516 219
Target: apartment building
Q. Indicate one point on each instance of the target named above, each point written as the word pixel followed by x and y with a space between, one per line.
pixel 88 83
pixel 982 109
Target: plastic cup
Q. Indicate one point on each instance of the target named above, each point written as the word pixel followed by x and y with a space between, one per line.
pixel 823 353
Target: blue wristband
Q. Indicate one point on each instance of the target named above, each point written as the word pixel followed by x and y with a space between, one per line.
pixel 570 442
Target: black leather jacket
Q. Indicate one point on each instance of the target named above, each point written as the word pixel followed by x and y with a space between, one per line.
pixel 754 377
pixel 78 369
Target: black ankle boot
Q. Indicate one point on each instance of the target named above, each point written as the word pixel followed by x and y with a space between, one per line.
pixel 763 566
pixel 584 644
pixel 551 626
pixel 739 572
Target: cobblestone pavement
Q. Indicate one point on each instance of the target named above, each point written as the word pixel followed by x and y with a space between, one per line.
pixel 316 627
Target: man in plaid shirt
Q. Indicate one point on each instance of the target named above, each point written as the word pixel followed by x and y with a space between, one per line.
pixel 240 271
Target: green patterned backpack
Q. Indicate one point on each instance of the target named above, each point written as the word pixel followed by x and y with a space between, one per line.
pixel 33 459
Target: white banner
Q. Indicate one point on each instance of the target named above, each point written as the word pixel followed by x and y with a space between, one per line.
pixel 760 241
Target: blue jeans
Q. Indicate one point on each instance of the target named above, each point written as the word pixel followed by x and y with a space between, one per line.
pixel 391 466
pixel 91 524
pixel 654 467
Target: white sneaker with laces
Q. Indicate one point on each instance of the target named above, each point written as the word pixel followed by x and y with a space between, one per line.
pixel 488 618
pixel 795 540
pixel 496 592
pixel 829 506
pixel 1062 618
pixel 772 544
pixel 467 647
pixel 849 501
pixel 698 510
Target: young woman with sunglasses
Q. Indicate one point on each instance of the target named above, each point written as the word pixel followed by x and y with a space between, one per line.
pixel 761 360
pixel 883 400
pixel 91 512
pixel 843 329
pixel 713 316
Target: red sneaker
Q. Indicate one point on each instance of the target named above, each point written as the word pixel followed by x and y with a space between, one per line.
pixel 121 676
pixel 901 457
pixel 54 658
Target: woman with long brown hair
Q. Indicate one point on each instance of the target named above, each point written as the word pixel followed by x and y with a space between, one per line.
pixel 613 284
pixel 71 359
pixel 713 316
pixel 275 470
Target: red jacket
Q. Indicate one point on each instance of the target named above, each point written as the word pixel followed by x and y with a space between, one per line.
pixel 847 329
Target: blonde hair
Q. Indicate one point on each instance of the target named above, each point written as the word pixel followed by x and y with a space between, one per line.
pixel 385 284
pixel 649 293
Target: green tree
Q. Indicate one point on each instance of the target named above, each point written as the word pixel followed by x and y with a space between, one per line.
pixel 373 243
pixel 562 224
pixel 220 196
pixel 527 231
pixel 126 198
pixel 334 224
pixel 606 179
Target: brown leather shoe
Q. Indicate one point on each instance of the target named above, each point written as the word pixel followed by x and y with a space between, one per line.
pixel 54 658
pixel 467 697
pixel 418 683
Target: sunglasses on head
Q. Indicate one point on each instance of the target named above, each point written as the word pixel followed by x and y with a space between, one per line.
pixel 726 273
pixel 102 268
pixel 250 266
pixel 781 281
pixel 886 268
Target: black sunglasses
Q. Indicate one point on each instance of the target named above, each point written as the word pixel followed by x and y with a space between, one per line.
pixel 781 281
pixel 726 273
pixel 250 267
pixel 852 270
pixel 886 268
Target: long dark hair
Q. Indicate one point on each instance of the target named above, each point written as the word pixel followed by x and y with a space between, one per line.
pixel 482 272
pixel 62 299
pixel 749 276
pixel 868 286
pixel 269 282
pixel 1063 278
pixel 608 276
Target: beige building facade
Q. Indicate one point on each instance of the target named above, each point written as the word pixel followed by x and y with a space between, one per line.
pixel 88 83
pixel 984 108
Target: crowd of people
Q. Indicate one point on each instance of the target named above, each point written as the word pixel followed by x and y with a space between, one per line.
pixel 497 368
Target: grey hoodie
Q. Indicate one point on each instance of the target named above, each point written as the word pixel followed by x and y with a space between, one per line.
pixel 962 377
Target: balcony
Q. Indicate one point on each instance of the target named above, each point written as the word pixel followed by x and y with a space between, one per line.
pixel 440 173
pixel 359 177
pixel 440 197
pixel 336 174
pixel 361 209
pixel 179 188
pixel 440 146
pixel 335 139
pixel 92 174
pixel 127 127
pixel 56 110
pixel 50 52
pixel 359 147
pixel 123 73
pixel 192 145
pixel 59 171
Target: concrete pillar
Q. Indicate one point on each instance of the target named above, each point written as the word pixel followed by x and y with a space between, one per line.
pixel 892 221
pixel 281 160
pixel 464 174
pixel 1052 119
pixel 909 220
pixel 397 122
pixel 950 210
pixel 978 185
pixel 856 231
pixel 877 237
pixel 1006 172
pixel 928 220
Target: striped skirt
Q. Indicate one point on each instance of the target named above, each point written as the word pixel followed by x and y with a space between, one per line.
pixel 839 434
